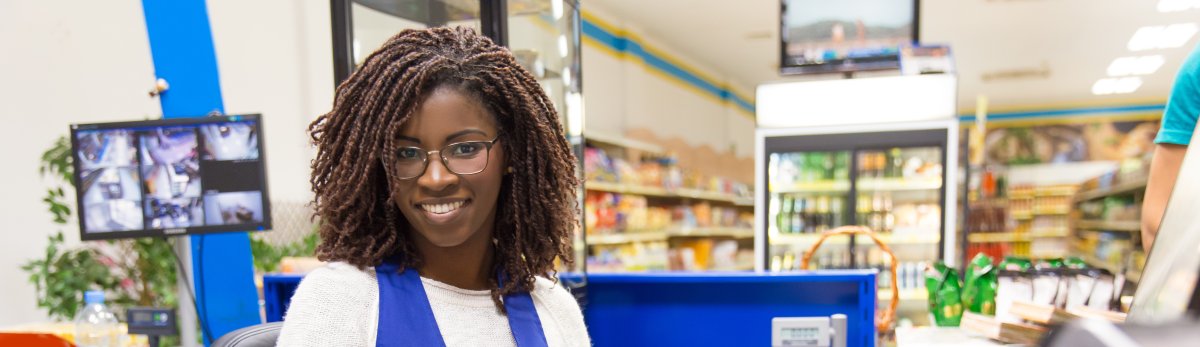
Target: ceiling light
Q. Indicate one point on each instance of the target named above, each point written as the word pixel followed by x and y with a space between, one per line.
pixel 556 8
pixel 1159 37
pixel 562 45
pixel 1177 5
pixel 1123 85
pixel 1126 66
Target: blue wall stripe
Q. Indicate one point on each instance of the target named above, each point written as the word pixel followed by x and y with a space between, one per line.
pixel 181 47
pixel 625 45
pixel 1066 112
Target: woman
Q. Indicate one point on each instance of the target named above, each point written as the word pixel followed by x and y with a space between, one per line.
pixel 445 188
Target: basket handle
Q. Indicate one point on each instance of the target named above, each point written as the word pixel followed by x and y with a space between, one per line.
pixel 884 320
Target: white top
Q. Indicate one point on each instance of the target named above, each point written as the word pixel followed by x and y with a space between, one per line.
pixel 338 305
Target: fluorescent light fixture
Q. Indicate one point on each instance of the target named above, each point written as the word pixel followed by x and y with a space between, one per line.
pixel 1122 85
pixel 556 8
pixel 1177 5
pixel 1135 66
pixel 566 77
pixel 562 45
pixel 1160 37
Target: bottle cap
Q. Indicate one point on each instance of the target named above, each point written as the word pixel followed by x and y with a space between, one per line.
pixel 93 297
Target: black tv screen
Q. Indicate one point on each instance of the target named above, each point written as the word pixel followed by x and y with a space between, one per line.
pixel 170 176
pixel 822 36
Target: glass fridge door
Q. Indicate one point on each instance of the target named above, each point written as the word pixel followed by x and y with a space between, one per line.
pixel 808 194
pixel 899 195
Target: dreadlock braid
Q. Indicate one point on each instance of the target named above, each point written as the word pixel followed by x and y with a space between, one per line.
pixel 350 174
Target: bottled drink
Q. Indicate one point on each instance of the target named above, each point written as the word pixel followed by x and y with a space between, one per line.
pixel 829 165
pixel 810 210
pixel 797 224
pixel 841 166
pixel 822 223
pixel 783 217
pixel 835 212
pixel 95 324
pixel 897 163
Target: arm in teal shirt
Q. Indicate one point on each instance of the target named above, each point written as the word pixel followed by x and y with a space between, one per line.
pixel 1179 118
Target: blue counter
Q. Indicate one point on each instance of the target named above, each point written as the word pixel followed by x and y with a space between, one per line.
pixel 695 309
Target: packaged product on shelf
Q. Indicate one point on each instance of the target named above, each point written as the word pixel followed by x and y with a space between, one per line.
pixel 979 290
pixel 945 295
pixel 1012 286
pixel 597 166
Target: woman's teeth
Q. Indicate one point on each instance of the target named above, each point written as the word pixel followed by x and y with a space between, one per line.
pixel 442 208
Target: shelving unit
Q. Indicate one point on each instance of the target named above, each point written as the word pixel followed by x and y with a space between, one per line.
pixel 809 239
pixel 1096 225
pixel 627 229
pixel 1123 229
pixel 651 236
pixel 1016 236
pixel 664 193
pixel 1129 186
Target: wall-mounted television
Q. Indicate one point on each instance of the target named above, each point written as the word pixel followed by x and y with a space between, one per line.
pixel 821 36
pixel 170 177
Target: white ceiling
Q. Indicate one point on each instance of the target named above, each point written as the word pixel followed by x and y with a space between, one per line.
pixel 1064 46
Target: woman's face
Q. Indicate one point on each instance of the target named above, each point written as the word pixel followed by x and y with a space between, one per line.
pixel 445 208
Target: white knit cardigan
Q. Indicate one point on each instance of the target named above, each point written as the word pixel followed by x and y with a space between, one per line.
pixel 338 305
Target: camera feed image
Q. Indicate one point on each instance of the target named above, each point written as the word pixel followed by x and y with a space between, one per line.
pixel 111 199
pixel 105 148
pixel 233 208
pixel 171 145
pixel 820 31
pixel 173 213
pixel 230 141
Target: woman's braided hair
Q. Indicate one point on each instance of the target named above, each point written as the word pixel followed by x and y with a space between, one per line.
pixel 536 206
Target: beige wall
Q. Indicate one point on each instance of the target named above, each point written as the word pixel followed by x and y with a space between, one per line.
pixel 624 96
pixel 85 61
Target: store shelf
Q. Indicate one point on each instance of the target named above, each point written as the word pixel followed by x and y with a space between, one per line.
pixel 1092 224
pixel 1134 276
pixel 664 193
pixel 919 294
pixel 1055 191
pixel 621 238
pixel 712 232
pixel 651 236
pixel 907 239
pixel 1128 185
pixel 1051 211
pixel 621 141
pixel 814 187
pixel 1093 261
pixel 808 239
pixel 1015 237
pixel 898 184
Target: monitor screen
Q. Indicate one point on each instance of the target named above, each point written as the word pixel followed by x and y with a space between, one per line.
pixel 170 176
pixel 821 36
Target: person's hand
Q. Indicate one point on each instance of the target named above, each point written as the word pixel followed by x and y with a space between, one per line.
pixel 231 141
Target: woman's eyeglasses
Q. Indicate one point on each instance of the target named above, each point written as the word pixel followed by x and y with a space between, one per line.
pixel 463 158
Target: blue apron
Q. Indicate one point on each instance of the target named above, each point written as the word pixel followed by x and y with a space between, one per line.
pixel 406 319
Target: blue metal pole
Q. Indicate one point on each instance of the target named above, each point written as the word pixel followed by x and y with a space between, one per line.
pixel 182 48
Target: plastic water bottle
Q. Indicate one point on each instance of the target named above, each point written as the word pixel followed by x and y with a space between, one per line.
pixel 95 325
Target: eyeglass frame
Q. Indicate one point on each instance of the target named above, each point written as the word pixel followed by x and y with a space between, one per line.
pixel 445 161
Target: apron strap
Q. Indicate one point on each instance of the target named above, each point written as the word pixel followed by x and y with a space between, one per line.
pixel 405 317
pixel 523 319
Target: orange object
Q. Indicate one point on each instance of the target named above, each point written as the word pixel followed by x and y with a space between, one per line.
pixel 33 340
pixel 883 321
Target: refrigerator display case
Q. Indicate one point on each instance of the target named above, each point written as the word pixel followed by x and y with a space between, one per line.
pixel 890 178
